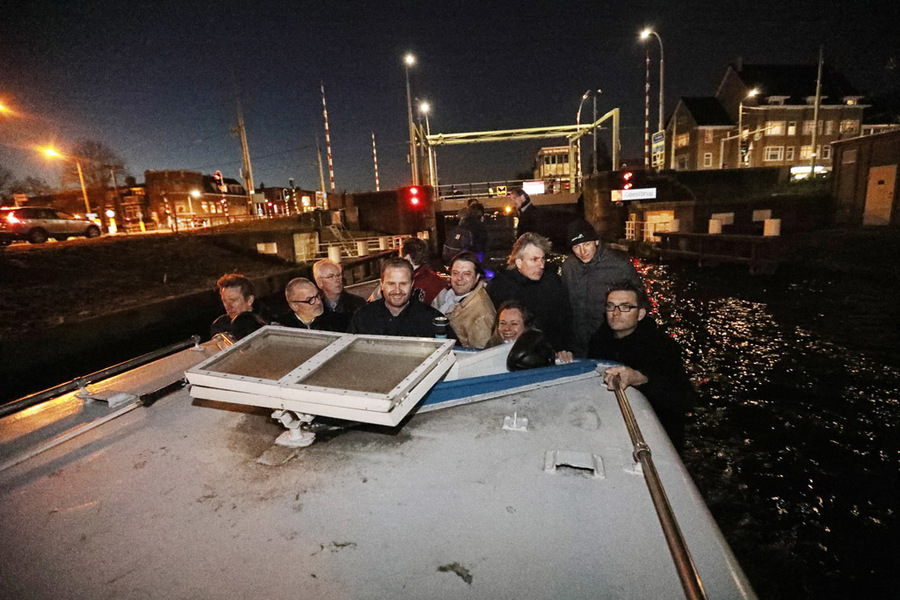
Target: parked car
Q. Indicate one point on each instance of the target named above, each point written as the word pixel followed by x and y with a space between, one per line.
pixel 38 224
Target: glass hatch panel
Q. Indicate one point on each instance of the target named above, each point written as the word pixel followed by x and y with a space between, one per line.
pixel 271 355
pixel 371 365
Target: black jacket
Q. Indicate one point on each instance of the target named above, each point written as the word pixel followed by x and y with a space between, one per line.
pixel 347 305
pixel 327 321
pixel 546 299
pixel 416 320
pixel 656 355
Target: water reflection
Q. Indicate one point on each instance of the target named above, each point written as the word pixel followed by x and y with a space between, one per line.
pixel 794 443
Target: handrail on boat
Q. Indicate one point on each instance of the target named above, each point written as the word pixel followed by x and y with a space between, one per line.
pixel 57 390
pixel 684 563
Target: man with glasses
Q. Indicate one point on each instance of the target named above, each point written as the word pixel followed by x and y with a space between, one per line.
pixel 466 303
pixel 587 275
pixel 307 310
pixel 650 359
pixel 329 276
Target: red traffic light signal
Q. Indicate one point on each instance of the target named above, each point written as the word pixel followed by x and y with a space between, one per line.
pixel 627 178
pixel 413 196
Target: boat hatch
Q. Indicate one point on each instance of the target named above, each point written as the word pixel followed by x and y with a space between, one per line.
pixel 365 378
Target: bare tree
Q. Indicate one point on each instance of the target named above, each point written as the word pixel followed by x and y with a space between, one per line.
pixel 33 186
pixel 98 162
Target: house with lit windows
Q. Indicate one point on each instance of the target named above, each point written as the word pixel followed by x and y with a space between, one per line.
pixel 774 106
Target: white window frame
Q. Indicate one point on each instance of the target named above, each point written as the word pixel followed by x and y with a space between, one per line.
pixel 829 127
pixel 773 154
pixel 789 153
pixel 806 152
pixel 849 126
pixel 792 128
pixel 826 152
pixel 707 136
pixel 707 159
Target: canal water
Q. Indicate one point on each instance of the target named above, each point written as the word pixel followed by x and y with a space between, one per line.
pixel 794 443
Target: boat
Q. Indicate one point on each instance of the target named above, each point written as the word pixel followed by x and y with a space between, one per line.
pixel 301 464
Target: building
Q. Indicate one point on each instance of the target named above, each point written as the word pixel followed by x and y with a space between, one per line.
pixel 774 107
pixel 185 199
pixel 551 164
pixel 864 182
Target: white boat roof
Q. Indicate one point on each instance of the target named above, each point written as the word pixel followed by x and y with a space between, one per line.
pixel 188 499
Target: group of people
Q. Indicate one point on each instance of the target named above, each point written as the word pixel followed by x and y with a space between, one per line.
pixel 596 309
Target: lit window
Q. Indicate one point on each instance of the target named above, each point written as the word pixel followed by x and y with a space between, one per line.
pixel 774 153
pixel 829 127
pixel 789 153
pixel 774 127
pixel 682 140
pixel 849 126
pixel 792 128
pixel 707 159
pixel 707 136
pixel 805 152
pixel 807 127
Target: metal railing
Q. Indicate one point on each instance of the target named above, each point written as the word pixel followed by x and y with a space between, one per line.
pixel 681 555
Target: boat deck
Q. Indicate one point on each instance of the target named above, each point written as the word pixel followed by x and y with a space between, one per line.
pixel 188 499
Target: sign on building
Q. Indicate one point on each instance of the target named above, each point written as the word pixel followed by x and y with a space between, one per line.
pixel 658 148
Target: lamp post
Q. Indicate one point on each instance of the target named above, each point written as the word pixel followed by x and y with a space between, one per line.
pixel 578 124
pixel 409 60
pixel 51 152
pixel 749 95
pixel 425 108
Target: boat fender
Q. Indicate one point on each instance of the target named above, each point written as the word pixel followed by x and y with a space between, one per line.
pixel 531 350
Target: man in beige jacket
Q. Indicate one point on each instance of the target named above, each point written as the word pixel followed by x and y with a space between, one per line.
pixel 466 303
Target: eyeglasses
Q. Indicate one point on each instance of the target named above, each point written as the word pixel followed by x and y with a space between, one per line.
pixel 327 277
pixel 610 307
pixel 310 300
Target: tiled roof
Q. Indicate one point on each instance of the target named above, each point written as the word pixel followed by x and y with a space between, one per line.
pixel 795 81
pixel 707 111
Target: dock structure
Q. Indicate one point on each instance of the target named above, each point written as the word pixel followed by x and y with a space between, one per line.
pixel 761 253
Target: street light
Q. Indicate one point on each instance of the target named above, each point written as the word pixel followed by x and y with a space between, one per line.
pixel 425 108
pixel 51 152
pixel 409 60
pixel 749 95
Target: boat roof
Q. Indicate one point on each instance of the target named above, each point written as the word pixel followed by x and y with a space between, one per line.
pixel 189 498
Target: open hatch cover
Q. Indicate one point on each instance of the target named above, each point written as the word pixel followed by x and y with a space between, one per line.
pixel 365 378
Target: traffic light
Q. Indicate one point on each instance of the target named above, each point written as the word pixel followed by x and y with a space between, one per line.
pixel 626 180
pixel 218 182
pixel 414 196
pixel 745 146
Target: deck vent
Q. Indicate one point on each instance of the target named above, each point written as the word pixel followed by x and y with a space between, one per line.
pixel 590 464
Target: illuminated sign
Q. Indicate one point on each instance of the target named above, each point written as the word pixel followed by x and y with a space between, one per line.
pixel 633 194
pixel 534 187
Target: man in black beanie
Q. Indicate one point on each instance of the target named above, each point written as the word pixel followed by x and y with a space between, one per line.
pixel 587 275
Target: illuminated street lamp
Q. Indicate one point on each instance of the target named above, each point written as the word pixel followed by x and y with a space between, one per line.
pixel 409 60
pixel 740 144
pixel 52 153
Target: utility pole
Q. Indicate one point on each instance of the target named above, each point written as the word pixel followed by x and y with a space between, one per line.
pixel 321 171
pixel 815 129
pixel 327 139
pixel 248 170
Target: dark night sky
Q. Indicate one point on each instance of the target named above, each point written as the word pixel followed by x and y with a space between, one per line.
pixel 157 81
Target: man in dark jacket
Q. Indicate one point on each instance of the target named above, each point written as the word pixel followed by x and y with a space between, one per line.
pixel 307 310
pixel 238 296
pixel 651 360
pixel 539 289
pixel 398 312
pixel 588 274
pixel 527 213
pixel 329 276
